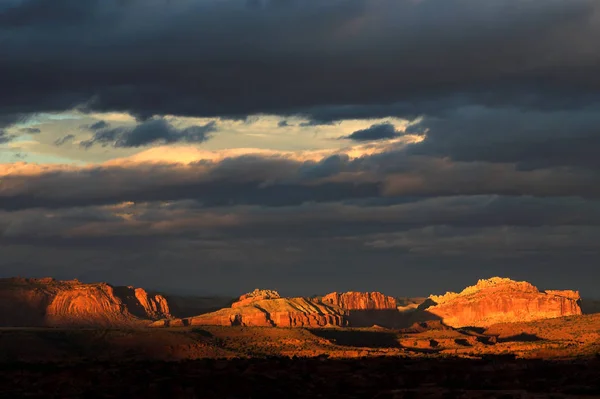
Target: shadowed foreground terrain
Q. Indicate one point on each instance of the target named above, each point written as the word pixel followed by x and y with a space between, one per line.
pixel 282 377
pixel 96 340
pixel 555 358
pixel 559 338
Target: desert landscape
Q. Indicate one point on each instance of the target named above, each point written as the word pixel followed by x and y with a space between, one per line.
pixel 256 199
pixel 496 338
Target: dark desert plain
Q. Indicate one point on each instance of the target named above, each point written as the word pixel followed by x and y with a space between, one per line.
pixel 299 199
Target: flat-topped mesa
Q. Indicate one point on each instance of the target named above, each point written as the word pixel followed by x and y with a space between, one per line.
pixel 360 300
pixel 276 312
pixel 366 309
pixel 502 300
pixel 49 302
pixel 254 296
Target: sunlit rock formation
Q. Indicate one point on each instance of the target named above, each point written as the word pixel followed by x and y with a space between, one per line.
pixel 366 309
pixel 48 302
pixel 360 300
pixel 267 309
pixel 502 300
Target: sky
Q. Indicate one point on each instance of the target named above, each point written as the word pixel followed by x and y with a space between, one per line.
pixel 211 147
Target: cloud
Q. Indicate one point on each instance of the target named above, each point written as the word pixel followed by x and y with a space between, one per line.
pixel 314 122
pixel 30 130
pixel 64 140
pixel 531 139
pixel 96 126
pixel 381 131
pixel 295 56
pixel 173 219
pixel 458 237
pixel 7 120
pixel 273 180
pixel 5 137
pixel 156 130
pixel 498 160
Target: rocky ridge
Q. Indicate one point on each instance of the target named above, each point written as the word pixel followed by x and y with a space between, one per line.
pixel 366 309
pixel 48 302
pixel 491 301
pixel 264 308
pixel 51 303
pixel 360 300
pixel 502 300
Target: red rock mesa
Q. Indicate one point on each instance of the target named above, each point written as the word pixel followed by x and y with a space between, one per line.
pixel 360 300
pixel 268 309
pixel 502 300
pixel 48 302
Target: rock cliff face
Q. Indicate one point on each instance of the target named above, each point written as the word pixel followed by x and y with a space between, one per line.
pixel 276 312
pixel 366 309
pixel 48 302
pixel 502 300
pixel 360 300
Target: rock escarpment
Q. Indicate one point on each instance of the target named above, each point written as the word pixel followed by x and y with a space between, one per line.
pixel 366 309
pixel 267 309
pixel 360 300
pixel 502 300
pixel 51 303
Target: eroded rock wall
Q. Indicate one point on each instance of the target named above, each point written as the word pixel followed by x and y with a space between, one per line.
pixel 277 312
pixel 360 300
pixel 501 300
pixel 48 302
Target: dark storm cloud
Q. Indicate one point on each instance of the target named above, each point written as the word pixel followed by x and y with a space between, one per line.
pixel 460 236
pixel 175 220
pixel 380 131
pixel 531 139
pixel 63 140
pixel 156 130
pixel 504 92
pixel 186 57
pixel 6 120
pixel 275 181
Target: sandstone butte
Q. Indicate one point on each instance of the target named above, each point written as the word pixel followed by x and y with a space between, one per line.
pixel 366 309
pixel 267 309
pixel 502 300
pixel 51 303
pixel 360 300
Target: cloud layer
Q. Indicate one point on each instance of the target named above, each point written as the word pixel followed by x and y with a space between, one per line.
pixel 492 170
pixel 155 130
pixel 214 58
pixel 382 131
